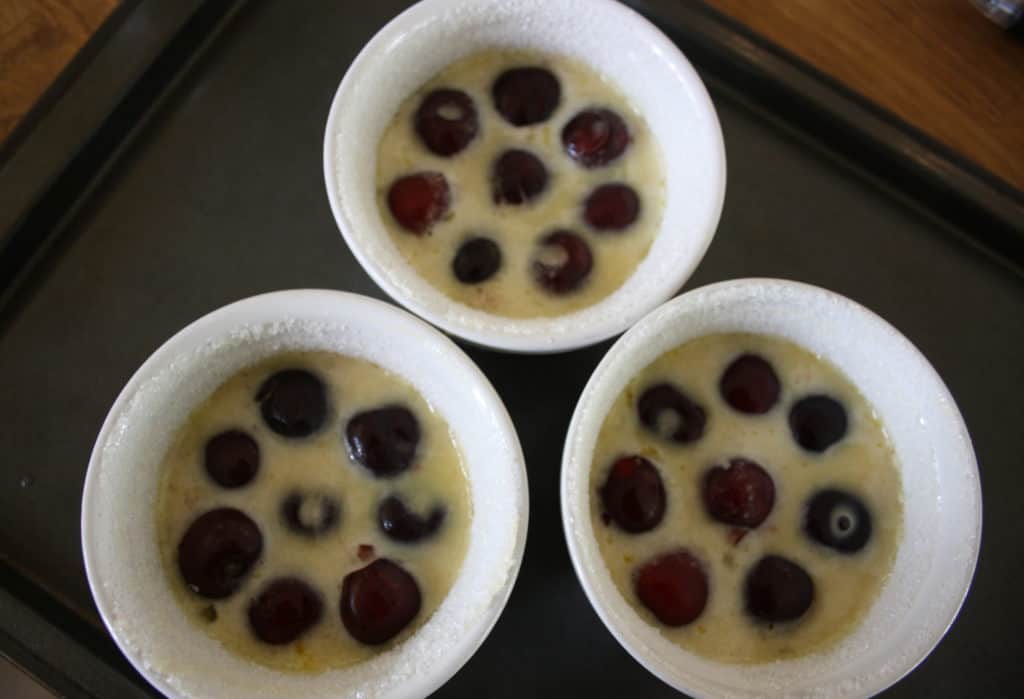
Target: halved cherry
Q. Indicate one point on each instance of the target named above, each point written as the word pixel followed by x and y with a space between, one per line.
pixel 668 412
pixel 612 207
pixel 778 590
pixel 446 121
pixel 817 422
pixel 293 403
pixel 217 552
pixel 518 176
pixel 595 137
pixel 384 440
pixel 284 610
pixel 750 385
pixel 838 519
pixel 673 586
pixel 418 201
pixel 741 495
pixel 525 96
pixel 231 458
pixel 401 523
pixel 310 513
pixel 633 495
pixel 477 260
pixel 562 262
pixel 378 601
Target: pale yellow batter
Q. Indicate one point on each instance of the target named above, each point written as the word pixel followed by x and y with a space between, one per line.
pixel 862 462
pixel 318 462
pixel 512 291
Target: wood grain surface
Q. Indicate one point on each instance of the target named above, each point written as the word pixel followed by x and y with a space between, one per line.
pixel 37 40
pixel 938 64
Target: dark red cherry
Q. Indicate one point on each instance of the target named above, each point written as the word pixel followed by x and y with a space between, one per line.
pixel 741 495
pixel 777 590
pixel 817 422
pixel 750 385
pixel 517 177
pixel 310 513
pixel 384 440
pixel 673 586
pixel 217 551
pixel 562 262
pixel 595 137
pixel 378 601
pixel 671 414
pixel 612 207
pixel 419 201
pixel 476 261
pixel 400 523
pixel 839 520
pixel 285 609
pixel 633 495
pixel 526 96
pixel 293 403
pixel 446 121
pixel 232 458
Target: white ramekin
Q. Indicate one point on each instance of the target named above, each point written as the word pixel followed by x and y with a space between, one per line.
pixel 611 38
pixel 942 497
pixel 119 542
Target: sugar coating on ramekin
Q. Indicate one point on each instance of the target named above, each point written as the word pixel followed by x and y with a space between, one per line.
pixel 942 498
pixel 610 38
pixel 128 579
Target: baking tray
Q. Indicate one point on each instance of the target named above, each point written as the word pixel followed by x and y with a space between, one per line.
pixel 198 183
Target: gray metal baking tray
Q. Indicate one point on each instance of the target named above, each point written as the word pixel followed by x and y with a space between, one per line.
pixel 196 181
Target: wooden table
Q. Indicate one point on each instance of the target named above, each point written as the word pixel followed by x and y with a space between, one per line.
pixel 38 38
pixel 938 64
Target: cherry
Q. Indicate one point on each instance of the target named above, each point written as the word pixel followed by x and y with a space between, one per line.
pixel 418 201
pixel 673 586
pixel 400 523
pixel 217 551
pixel 633 495
pixel 378 601
pixel 526 96
pixel 232 458
pixel 562 262
pixel 671 414
pixel 595 137
pixel 293 403
pixel 777 589
pixel 518 176
pixel 310 514
pixel 446 121
pixel 839 520
pixel 285 609
pixel 611 207
pixel 384 440
pixel 817 422
pixel 750 385
pixel 741 495
pixel 476 261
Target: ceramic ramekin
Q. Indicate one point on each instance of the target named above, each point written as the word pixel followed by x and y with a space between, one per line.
pixel 119 542
pixel 609 37
pixel 942 497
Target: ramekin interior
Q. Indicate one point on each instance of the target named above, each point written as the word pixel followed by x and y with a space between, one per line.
pixel 119 541
pixel 614 40
pixel 942 497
